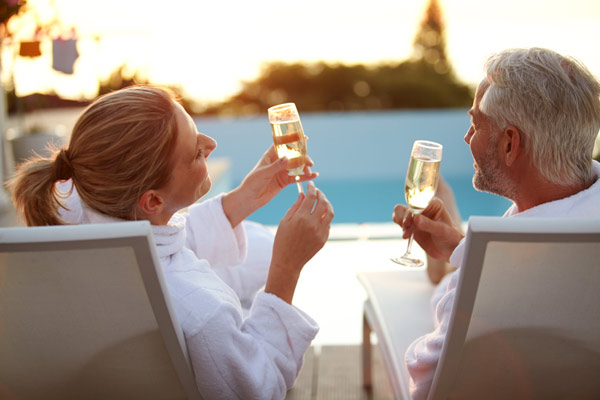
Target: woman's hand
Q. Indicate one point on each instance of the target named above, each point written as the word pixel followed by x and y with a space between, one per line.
pixel 433 229
pixel 301 234
pixel 261 184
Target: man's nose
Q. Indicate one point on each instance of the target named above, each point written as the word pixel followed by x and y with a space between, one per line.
pixel 469 135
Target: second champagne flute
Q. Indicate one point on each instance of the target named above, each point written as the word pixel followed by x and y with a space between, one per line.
pixel 289 138
pixel 420 186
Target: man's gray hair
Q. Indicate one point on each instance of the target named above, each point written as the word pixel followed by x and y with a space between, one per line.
pixel 554 102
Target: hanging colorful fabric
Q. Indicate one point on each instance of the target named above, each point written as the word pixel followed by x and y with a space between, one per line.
pixel 30 49
pixel 64 54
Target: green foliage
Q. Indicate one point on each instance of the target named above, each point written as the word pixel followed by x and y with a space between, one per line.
pixel 323 87
pixel 425 81
pixel 8 8
pixel 118 79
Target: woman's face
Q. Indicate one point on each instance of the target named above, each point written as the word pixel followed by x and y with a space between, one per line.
pixel 189 178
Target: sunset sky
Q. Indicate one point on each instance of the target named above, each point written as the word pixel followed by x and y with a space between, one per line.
pixel 209 47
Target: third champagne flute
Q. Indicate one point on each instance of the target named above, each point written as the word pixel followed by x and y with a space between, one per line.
pixel 420 186
pixel 289 138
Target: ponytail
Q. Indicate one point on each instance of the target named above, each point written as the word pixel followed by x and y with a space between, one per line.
pixel 33 190
pixel 121 146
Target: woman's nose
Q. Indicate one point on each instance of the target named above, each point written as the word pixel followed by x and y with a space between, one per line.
pixel 209 144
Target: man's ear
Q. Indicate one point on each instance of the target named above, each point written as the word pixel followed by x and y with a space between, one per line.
pixel 151 202
pixel 510 145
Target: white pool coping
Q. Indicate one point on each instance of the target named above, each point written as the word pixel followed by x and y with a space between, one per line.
pixel 328 289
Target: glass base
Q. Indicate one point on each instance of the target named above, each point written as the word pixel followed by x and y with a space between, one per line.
pixel 407 261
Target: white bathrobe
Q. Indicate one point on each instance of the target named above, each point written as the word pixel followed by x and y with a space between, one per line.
pixel 423 354
pixel 234 356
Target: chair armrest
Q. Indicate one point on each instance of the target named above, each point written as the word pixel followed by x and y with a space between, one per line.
pixel 398 311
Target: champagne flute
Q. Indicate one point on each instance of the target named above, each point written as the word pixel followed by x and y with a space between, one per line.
pixel 289 138
pixel 420 186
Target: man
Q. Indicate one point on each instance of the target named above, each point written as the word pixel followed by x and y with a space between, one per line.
pixel 534 121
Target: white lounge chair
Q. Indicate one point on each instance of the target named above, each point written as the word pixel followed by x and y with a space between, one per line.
pixel 85 314
pixel 526 318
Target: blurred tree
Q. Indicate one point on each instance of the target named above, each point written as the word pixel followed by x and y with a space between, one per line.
pixel 430 41
pixel 424 81
pixel 8 8
pixel 118 79
pixel 323 87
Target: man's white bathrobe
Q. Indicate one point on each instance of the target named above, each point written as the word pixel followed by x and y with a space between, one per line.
pixel 423 354
pixel 210 270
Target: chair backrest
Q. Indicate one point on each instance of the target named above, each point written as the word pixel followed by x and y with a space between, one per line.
pixel 85 314
pixel 526 318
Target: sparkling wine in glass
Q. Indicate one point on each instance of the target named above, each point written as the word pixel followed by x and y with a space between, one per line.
pixel 420 186
pixel 289 138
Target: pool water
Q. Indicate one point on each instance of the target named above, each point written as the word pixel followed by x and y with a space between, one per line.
pixel 373 200
pixel 361 158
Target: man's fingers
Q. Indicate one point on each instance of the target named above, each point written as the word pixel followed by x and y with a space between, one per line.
pixel 425 224
pixel 399 214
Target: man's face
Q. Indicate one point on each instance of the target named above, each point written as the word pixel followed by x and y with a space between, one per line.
pixel 483 137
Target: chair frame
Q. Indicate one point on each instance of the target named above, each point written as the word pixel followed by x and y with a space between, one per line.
pixel 138 236
pixel 381 311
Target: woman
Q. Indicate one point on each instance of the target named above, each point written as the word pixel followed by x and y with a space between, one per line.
pixel 135 154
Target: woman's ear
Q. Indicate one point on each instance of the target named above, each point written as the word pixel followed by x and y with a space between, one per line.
pixel 151 203
pixel 510 143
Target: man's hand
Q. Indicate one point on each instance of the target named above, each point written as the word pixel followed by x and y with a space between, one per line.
pixel 433 229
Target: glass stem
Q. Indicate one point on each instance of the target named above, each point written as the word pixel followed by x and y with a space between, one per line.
pixel 299 184
pixel 409 246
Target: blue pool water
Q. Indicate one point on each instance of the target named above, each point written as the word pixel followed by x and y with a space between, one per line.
pixel 361 157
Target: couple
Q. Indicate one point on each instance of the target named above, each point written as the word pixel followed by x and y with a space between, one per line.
pixel 534 120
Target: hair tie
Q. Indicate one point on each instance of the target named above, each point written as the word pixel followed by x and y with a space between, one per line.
pixel 63 169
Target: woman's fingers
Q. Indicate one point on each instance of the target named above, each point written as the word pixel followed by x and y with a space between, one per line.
pixel 324 209
pixel 307 174
pixel 290 213
pixel 309 199
pixel 321 204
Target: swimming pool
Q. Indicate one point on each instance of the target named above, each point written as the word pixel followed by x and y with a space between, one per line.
pixel 361 157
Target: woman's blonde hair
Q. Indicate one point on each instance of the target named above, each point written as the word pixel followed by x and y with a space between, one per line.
pixel 120 147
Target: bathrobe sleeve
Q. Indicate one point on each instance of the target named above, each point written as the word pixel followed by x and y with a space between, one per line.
pixel 258 357
pixel 423 355
pixel 210 235
pixel 248 278
pixel 241 256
